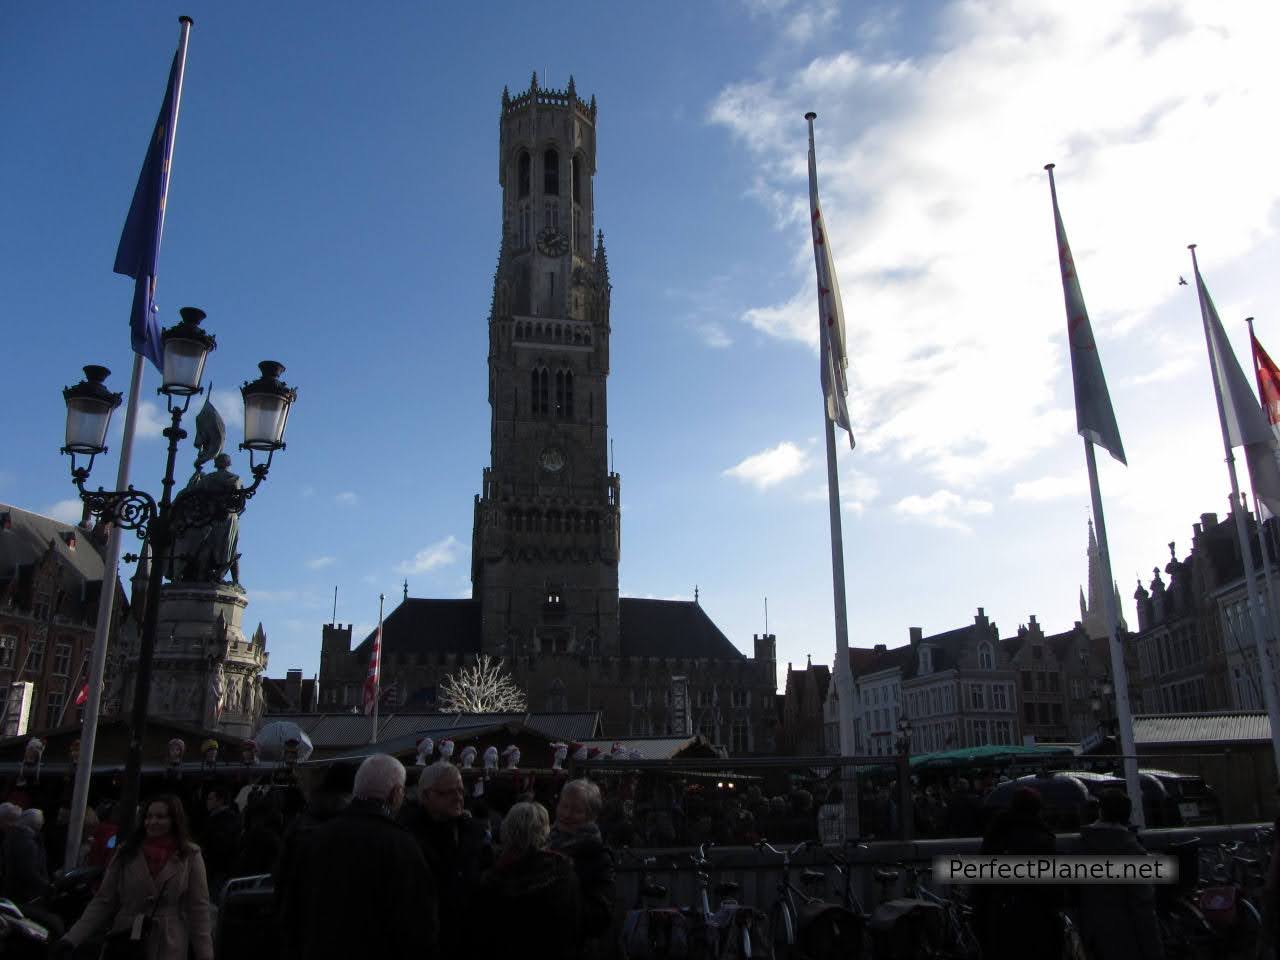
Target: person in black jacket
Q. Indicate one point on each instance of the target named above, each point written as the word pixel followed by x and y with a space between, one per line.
pixel 219 838
pixel 531 894
pixel 358 886
pixel 1118 921
pixel 577 835
pixel 456 849
pixel 1017 921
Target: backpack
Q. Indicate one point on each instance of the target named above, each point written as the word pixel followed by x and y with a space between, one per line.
pixel 658 933
pixel 906 928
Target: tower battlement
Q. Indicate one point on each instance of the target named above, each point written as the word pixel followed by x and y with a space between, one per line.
pixel 537 96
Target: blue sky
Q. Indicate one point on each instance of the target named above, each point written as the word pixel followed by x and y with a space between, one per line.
pixel 335 206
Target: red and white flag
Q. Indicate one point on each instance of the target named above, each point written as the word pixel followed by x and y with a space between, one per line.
pixel 373 678
pixel 834 359
pixel 83 696
pixel 1268 382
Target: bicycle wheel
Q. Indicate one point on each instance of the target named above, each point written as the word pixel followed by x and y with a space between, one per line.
pixel 782 923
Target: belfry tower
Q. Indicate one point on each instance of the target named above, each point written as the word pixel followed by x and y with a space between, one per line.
pixel 545 543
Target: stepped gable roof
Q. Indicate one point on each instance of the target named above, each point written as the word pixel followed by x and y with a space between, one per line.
pixel 428 626
pixel 671 628
pixel 25 536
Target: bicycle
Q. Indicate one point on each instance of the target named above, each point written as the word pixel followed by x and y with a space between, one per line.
pixel 727 930
pixel 956 940
pixel 784 915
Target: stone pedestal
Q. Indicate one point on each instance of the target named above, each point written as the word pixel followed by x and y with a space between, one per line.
pixel 206 672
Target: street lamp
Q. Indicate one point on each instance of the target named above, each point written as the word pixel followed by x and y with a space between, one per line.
pixel 158 523
pixel 904 736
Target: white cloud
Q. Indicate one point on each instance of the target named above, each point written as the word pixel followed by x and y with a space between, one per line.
pixel 152 420
pixel 347 498
pixel 319 563
pixel 1052 488
pixel 439 554
pixel 938 209
pixel 714 335
pixel 857 491
pixel 770 467
pixel 231 405
pixel 942 508
pixel 68 511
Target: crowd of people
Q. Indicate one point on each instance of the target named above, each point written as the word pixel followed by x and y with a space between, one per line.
pixel 371 862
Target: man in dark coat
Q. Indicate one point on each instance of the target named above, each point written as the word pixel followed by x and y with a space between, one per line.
pixel 219 839
pixel 456 849
pixel 358 886
pixel 1118 921
pixel 576 835
pixel 1018 921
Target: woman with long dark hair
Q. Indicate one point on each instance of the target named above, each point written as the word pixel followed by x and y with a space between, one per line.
pixel 155 888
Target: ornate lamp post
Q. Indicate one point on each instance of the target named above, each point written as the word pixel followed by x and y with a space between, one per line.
pixel 904 736
pixel 159 523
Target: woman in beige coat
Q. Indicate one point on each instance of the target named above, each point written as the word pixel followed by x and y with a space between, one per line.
pixel 158 873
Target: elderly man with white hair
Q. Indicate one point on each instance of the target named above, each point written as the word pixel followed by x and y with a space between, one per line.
pixel 576 834
pixel 358 885
pixel 455 846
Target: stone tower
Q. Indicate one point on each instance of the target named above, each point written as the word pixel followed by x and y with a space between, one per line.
pixel 546 536
pixel 1093 614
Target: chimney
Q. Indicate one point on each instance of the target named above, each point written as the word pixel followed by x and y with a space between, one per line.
pixel 881 648
pixel 293 689
pixel 917 634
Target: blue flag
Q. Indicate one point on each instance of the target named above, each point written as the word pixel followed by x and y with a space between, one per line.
pixel 140 242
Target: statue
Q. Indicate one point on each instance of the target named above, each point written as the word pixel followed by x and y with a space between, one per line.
pixel 216 691
pixel 206 552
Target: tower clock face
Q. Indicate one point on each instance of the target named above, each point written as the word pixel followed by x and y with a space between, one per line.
pixel 551 460
pixel 552 242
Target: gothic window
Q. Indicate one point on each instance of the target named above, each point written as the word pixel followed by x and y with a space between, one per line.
pixel 551 215
pixel 61 659
pixel 526 223
pixel 538 398
pixel 738 738
pixel 986 659
pixel 976 700
pixel 564 394
pixel 739 698
pixel 551 173
pixel 577 178
pixel 524 166
pixel 8 651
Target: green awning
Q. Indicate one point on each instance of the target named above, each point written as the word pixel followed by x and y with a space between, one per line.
pixel 989 755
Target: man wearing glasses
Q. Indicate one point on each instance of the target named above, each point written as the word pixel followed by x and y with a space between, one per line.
pixel 456 848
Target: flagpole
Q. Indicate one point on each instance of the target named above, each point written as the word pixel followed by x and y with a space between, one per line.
pixel 111 559
pixel 842 667
pixel 377 677
pixel 1265 665
pixel 1119 670
pixel 101 637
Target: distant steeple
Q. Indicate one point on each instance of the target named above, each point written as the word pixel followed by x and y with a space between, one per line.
pixel 1093 614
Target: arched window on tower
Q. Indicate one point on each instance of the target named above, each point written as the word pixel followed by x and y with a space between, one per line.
pixel 524 165
pixel 551 173
pixel 577 178
pixel 538 394
pixel 564 394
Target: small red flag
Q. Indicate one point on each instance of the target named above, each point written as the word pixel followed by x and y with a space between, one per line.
pixel 1268 380
pixel 371 680
pixel 83 696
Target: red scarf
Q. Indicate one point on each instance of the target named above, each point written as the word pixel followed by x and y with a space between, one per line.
pixel 158 851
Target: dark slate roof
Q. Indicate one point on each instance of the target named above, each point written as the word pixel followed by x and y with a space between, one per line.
pixel 28 537
pixel 273 691
pixel 863 661
pixel 1201 728
pixel 649 628
pixel 671 628
pixel 428 626
pixel 330 730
